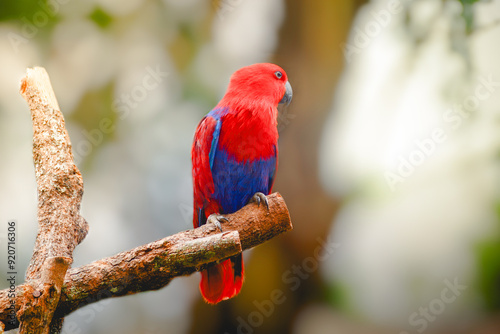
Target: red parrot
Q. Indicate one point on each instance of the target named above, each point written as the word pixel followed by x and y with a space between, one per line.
pixel 234 157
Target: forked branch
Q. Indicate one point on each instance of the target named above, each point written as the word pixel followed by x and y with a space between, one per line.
pixel 52 290
pixel 154 265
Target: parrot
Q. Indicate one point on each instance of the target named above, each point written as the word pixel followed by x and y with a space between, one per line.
pixel 234 160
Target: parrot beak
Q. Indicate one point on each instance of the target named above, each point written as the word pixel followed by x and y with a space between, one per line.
pixel 287 98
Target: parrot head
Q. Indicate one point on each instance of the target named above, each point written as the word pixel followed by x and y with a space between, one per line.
pixel 262 83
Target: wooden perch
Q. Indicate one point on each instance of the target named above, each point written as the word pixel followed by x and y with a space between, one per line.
pixel 60 190
pixel 154 265
pixel 52 290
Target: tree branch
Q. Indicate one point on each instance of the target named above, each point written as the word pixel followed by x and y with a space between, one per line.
pixel 52 290
pixel 60 190
pixel 154 265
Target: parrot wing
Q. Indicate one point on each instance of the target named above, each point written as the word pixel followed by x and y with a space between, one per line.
pixel 203 155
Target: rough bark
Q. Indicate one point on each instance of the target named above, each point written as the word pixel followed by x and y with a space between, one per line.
pixel 52 290
pixel 60 190
pixel 154 265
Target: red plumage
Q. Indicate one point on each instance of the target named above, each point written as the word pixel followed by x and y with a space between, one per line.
pixel 234 155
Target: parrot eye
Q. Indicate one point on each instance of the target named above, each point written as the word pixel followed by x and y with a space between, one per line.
pixel 278 74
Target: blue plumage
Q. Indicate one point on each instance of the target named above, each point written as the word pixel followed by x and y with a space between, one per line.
pixel 234 157
pixel 236 182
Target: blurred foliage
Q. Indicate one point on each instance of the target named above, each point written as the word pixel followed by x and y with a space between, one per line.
pixel 311 55
pixel 13 10
pixel 463 26
pixel 27 11
pixel 488 254
pixel 468 14
pixel 92 110
pixel 338 296
pixel 101 18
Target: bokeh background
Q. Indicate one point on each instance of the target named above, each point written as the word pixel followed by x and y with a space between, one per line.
pixel 389 154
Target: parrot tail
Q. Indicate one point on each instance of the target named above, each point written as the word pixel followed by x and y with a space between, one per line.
pixel 222 280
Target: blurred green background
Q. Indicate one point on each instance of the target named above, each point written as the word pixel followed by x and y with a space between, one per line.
pixel 389 154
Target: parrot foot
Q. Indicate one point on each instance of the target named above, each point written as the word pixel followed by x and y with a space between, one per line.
pixel 217 219
pixel 259 197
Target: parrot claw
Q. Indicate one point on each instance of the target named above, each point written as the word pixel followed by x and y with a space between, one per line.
pixel 217 219
pixel 259 197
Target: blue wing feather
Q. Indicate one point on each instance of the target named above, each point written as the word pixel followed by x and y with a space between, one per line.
pixel 236 182
pixel 215 142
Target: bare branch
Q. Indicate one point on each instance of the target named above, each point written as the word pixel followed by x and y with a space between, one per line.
pixel 60 190
pixel 154 265
pixel 52 289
